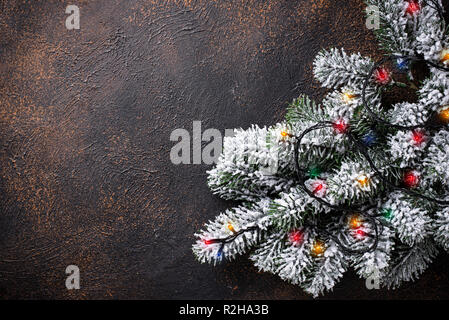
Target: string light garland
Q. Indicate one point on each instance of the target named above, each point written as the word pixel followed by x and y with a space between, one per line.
pixel 230 238
pixel 364 152
pixel 337 208
pixel 343 208
pixel 381 76
pixel 341 127
pixel 373 115
pixel 302 176
pixel 339 197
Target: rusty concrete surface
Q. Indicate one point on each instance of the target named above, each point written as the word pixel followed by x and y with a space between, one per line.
pixel 85 121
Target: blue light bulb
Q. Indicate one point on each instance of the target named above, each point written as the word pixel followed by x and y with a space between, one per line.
pixel 220 253
pixel 369 139
pixel 402 64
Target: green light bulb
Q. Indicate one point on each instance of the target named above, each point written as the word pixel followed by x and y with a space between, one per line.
pixel 388 213
pixel 314 172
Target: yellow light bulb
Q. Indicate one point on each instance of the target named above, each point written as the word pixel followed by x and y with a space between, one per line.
pixel 285 134
pixel 347 97
pixel 444 114
pixel 231 228
pixel 445 55
pixel 318 248
pixel 355 222
pixel 363 180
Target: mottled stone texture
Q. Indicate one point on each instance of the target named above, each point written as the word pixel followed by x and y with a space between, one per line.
pixel 85 121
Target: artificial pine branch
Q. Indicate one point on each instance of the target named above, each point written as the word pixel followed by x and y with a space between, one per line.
pixel 346 182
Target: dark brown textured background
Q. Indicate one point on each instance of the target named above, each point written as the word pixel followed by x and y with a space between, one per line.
pixel 85 121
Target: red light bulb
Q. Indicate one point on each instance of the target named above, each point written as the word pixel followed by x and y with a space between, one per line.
pixel 340 126
pixel 419 137
pixel 413 7
pixel 208 242
pixel 296 237
pixel 382 76
pixel 360 233
pixel 411 179
pixel 318 188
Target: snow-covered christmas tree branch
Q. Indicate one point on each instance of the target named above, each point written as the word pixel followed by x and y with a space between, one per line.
pixel 349 182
